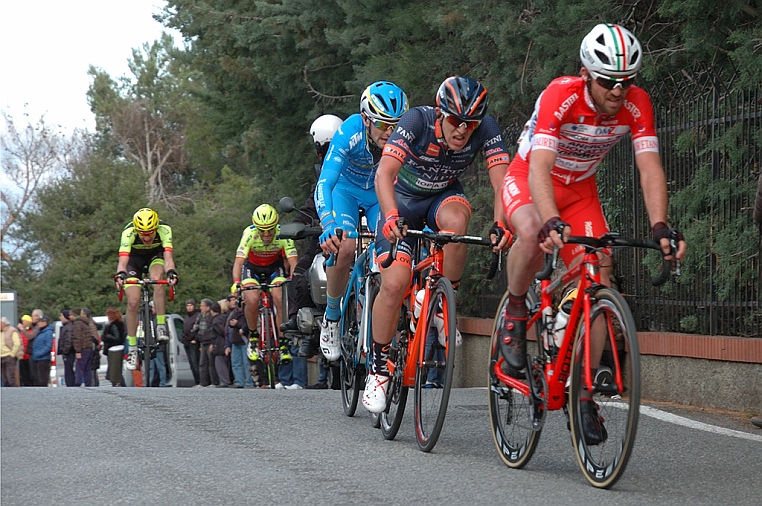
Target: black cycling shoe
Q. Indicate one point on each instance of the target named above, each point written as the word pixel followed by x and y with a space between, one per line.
pixel 513 344
pixel 592 426
pixel 308 349
pixel 289 326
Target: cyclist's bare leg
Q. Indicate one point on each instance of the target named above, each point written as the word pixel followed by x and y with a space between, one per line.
pixel 338 275
pixel 525 257
pixel 133 301
pixel 454 216
pixel 159 292
pixel 251 310
pixel 394 282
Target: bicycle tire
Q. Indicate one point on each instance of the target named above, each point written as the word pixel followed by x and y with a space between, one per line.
pixel 604 463
pixel 433 379
pixel 147 343
pixel 511 412
pixel 396 395
pixel 372 287
pixel 348 367
pixel 269 356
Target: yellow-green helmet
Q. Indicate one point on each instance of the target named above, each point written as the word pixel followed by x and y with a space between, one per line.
pixel 265 217
pixel 145 220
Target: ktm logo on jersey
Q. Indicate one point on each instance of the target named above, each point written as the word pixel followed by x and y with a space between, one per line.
pixel 432 150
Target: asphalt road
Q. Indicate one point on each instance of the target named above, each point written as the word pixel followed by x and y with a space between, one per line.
pixel 156 446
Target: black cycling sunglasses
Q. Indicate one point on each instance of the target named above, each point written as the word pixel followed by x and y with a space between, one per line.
pixel 610 84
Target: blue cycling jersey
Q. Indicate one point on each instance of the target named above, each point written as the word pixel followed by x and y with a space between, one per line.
pixel 348 159
pixel 428 165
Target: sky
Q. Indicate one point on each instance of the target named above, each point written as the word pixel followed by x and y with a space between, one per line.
pixel 46 47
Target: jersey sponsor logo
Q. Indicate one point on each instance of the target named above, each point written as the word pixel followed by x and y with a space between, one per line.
pixel 559 114
pixel 404 133
pixel 431 185
pixel 491 141
pixel 432 149
pixel 492 151
pixel 646 144
pixel 428 159
pixel 632 108
pixel 394 151
pixel 355 139
pixel 545 142
pixel 603 130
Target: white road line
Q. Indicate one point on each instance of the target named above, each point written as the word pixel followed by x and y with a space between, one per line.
pixel 686 422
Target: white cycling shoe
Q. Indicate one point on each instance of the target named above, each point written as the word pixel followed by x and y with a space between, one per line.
pixel 329 340
pixel 161 333
pixel 132 359
pixel 439 322
pixel 374 397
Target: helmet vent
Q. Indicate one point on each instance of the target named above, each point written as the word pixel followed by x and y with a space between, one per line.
pixel 603 57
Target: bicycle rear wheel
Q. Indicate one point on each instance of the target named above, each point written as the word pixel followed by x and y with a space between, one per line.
pixel 148 344
pixel 511 412
pixel 348 369
pixel 396 396
pixel 433 379
pixel 269 351
pixel 604 454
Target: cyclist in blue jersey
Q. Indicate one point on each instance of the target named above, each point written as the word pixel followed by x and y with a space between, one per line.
pixel 346 186
pixel 417 179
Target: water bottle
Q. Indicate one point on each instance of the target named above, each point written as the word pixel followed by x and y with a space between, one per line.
pixel 562 317
pixel 417 308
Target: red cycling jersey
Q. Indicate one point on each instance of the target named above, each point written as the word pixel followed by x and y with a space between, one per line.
pixel 565 121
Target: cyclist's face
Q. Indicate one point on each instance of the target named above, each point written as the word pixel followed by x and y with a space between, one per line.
pixel 456 137
pixel 379 136
pixel 267 235
pixel 606 101
pixel 147 237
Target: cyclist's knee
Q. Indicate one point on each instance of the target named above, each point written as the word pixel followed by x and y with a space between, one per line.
pixel 394 281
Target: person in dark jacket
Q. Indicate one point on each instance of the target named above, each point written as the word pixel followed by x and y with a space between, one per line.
pixel 238 347
pixel 43 345
pixel 204 335
pixel 114 334
pixel 82 336
pixel 66 347
pixel 190 342
pixel 219 331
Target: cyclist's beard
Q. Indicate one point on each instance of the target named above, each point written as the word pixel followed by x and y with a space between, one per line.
pixel 373 148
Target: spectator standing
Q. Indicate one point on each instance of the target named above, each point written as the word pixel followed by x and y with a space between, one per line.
pixel 158 356
pixel 237 345
pixel 26 333
pixel 43 345
pixel 114 335
pixel 82 338
pixel 190 343
pixel 9 349
pixel 220 352
pixel 204 335
pixel 293 374
pixel 95 361
pixel 66 347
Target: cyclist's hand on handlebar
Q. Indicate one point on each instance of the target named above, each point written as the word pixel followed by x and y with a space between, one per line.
pixel 328 240
pixel 172 277
pixel 394 228
pixel 235 286
pixel 119 279
pixel 671 241
pixel 552 234
pixel 501 237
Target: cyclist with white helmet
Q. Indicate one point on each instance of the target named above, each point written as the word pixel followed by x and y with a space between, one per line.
pixel 417 180
pixel 146 244
pixel 260 257
pixel 550 184
pixel 346 185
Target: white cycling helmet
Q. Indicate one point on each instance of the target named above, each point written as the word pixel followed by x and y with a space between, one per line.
pixel 612 52
pixel 323 128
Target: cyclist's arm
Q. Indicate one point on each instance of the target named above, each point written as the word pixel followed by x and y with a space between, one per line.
pixel 125 247
pixel 334 162
pixel 291 265
pixel 496 176
pixel 169 261
pixel 388 168
pixel 541 162
pixel 165 234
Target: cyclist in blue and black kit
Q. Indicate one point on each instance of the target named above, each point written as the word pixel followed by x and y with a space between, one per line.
pixel 346 186
pixel 417 179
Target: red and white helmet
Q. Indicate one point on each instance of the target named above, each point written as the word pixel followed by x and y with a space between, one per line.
pixel 612 52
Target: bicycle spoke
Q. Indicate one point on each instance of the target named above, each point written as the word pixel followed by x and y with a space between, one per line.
pixel 396 396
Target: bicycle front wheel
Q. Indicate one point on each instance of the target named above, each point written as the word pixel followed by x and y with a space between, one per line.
pixel 511 412
pixel 269 351
pixel 396 396
pixel 603 428
pixel 148 343
pixel 436 364
pixel 348 370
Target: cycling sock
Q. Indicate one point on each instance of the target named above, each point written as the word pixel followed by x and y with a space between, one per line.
pixel 132 341
pixel 160 319
pixel 333 308
pixel 517 305
pixel 380 356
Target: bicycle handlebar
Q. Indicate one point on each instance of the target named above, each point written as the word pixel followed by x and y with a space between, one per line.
pixel 613 240
pixel 351 234
pixel 147 281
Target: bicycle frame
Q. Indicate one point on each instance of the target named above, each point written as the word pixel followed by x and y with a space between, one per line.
pixel 365 263
pixel 266 312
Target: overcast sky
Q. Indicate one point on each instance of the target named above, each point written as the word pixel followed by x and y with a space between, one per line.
pixel 47 45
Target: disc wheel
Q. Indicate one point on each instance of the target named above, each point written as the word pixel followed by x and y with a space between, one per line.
pixel 512 414
pixel 605 452
pixel 436 365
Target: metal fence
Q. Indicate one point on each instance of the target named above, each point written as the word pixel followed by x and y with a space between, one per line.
pixel 711 148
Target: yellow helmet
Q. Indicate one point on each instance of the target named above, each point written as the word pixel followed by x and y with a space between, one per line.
pixel 265 217
pixel 145 220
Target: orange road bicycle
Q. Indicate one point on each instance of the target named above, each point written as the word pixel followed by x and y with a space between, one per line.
pixel 424 359
pixel 559 370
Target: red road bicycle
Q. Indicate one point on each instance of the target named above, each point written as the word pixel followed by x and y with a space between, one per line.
pixel 557 373
pixel 425 360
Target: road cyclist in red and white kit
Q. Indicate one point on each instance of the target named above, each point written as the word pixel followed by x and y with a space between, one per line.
pixel 550 184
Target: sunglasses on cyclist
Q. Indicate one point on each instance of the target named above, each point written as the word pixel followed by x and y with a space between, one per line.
pixel 468 124
pixel 610 84
pixel 383 125
pixel 270 230
pixel 146 234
